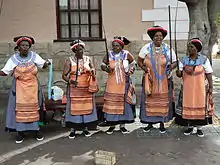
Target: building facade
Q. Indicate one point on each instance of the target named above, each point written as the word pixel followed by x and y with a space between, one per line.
pixel 54 23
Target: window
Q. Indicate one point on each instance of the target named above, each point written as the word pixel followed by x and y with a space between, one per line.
pixel 79 18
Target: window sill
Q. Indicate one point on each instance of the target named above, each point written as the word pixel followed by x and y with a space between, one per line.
pixel 83 39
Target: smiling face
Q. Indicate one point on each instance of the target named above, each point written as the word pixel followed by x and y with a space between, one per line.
pixel 192 49
pixel 116 47
pixel 158 38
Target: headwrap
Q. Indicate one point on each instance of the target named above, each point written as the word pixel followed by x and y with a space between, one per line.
pixel 119 40
pixel 123 39
pixel 19 39
pixel 76 43
pixel 153 30
pixel 197 43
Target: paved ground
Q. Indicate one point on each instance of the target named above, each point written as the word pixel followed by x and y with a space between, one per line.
pixel 136 148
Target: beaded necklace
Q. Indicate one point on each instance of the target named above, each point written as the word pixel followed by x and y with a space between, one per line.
pixel 162 50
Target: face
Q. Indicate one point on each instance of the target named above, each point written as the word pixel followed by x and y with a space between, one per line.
pixel 23 47
pixel 158 38
pixel 116 47
pixel 79 51
pixel 191 49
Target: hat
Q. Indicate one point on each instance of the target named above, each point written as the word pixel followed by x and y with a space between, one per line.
pixel 153 30
pixel 123 39
pixel 19 39
pixel 119 40
pixel 197 43
pixel 76 43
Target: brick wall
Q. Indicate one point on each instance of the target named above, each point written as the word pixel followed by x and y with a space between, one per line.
pixel 60 51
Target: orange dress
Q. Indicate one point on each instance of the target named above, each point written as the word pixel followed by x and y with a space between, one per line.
pixel 156 97
pixel 119 90
pixel 195 106
pixel 80 107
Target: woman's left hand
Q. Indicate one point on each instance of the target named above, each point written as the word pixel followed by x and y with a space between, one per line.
pixel 131 70
pixel 48 62
pixel 210 90
pixel 92 71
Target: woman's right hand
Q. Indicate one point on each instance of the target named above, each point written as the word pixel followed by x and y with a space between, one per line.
pixel 145 69
pixel 108 69
pixel 178 73
pixel 73 82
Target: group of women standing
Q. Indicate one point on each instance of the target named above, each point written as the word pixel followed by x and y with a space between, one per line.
pixel 156 59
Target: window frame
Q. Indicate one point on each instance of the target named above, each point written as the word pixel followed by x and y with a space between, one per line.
pixel 58 22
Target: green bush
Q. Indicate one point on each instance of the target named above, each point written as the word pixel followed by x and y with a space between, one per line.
pixel 218 19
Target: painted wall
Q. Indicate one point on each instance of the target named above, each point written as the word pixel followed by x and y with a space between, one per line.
pixel 38 18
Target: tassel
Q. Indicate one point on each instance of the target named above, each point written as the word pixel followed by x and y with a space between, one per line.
pixel 118 72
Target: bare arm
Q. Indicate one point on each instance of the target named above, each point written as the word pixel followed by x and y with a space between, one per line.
pixel 2 74
pixel 130 58
pixel 92 68
pixel 66 70
pixel 132 63
pixel 173 65
pixel 104 63
pixel 141 64
pixel 209 78
pixel 104 66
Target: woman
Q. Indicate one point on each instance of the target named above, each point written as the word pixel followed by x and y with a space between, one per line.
pixel 119 89
pixel 25 103
pixel 80 108
pixel 157 63
pixel 132 76
pixel 195 104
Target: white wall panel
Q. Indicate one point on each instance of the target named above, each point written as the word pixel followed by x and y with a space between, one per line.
pixel 164 3
pixel 162 14
pixel 179 36
pixel 181 26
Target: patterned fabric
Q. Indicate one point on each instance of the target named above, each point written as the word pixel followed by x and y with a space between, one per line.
pixel 194 103
pixel 81 102
pixel 114 96
pixel 26 89
pixel 156 84
pixel 130 94
pixel 194 86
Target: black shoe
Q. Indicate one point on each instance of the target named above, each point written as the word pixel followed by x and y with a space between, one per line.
pixel 162 129
pixel 19 138
pixel 200 133
pixel 188 131
pixel 110 130
pixel 148 128
pixel 124 130
pixel 39 136
pixel 87 133
pixel 72 135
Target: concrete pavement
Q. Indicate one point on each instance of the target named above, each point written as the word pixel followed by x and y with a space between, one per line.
pixel 136 148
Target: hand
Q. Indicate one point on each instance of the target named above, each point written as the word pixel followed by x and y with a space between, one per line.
pixel 173 66
pixel 73 82
pixel 178 73
pixel 210 90
pixel 49 61
pixel 92 71
pixel 131 71
pixel 108 69
pixel 145 68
